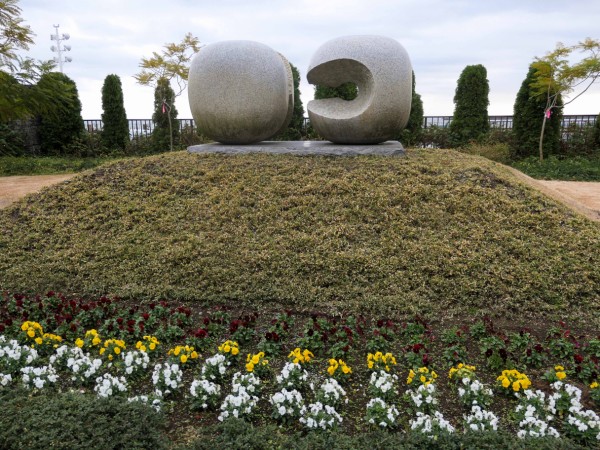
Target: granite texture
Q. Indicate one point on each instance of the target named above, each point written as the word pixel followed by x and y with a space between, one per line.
pixel 323 148
pixel 382 71
pixel 240 92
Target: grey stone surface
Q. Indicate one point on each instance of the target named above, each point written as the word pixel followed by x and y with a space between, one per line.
pixel 240 91
pixel 382 71
pixel 324 148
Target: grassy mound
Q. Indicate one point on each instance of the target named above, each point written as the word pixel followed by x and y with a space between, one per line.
pixel 436 232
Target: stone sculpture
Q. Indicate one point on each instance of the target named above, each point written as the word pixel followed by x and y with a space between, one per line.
pixel 381 69
pixel 240 92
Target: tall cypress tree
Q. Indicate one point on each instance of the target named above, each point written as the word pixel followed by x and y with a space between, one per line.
pixel 165 134
pixel 346 91
pixel 63 124
pixel 528 117
pixel 414 128
pixel 296 125
pixel 115 132
pixel 470 121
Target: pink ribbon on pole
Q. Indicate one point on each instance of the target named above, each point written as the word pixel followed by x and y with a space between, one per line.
pixel 164 109
pixel 548 113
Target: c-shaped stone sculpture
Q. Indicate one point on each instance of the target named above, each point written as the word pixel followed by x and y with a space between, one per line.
pixel 240 92
pixel 381 69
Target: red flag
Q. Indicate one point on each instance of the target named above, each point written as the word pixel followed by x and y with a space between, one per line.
pixel 548 113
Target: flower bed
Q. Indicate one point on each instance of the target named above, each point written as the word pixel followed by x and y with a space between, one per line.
pixel 306 372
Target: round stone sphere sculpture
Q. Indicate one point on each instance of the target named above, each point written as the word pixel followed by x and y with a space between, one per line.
pixel 381 69
pixel 240 92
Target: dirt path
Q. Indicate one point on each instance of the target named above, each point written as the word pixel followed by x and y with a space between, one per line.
pixel 13 188
pixel 583 197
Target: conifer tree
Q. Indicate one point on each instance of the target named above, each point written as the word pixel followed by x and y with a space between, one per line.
pixel 115 131
pixel 165 134
pixel 527 124
pixel 412 133
pixel 470 121
pixel 296 125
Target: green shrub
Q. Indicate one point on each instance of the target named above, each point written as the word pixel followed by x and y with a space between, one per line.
pixel 46 165
pixel 527 121
pixel 411 135
pixel 499 152
pixel 77 421
pixel 470 121
pixel 597 133
pixel 115 130
pixel 295 129
pixel 578 140
pixel 577 168
pixel 435 137
pixel 63 125
pixel 11 141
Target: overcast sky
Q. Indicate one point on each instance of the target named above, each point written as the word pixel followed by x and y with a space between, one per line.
pixel 441 37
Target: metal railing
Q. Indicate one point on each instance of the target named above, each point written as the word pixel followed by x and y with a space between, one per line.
pixel 144 127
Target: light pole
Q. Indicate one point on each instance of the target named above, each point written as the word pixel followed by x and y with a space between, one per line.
pixel 67 48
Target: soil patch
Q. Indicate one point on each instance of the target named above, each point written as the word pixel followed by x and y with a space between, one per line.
pixel 16 187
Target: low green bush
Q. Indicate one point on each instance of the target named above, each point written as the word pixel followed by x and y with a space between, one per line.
pixel 76 421
pixel 577 168
pixel 499 152
pixel 238 434
pixel 47 165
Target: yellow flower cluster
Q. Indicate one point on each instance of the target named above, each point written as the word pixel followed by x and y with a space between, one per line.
pixel 183 353
pixel 49 339
pixel 91 339
pixel 300 356
pixel 32 329
pixel 513 379
pixel 112 346
pixel 334 365
pixel 594 385
pixel 560 372
pixel 461 371
pixel 148 344
pixel 423 375
pixel 256 361
pixel 229 348
pixel 379 361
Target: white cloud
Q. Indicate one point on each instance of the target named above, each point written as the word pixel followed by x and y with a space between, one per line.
pixel 441 37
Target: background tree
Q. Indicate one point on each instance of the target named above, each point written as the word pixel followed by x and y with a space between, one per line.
pixel 597 133
pixel 346 91
pixel 414 128
pixel 61 126
pixel 296 125
pixel 556 77
pixel 470 121
pixel 172 64
pixel 115 131
pixel 13 34
pixel 164 135
pixel 527 126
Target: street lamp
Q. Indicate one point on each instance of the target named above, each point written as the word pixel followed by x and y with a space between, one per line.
pixel 58 49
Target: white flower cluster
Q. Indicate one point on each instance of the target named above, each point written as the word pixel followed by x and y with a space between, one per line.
pixel 5 379
pixel 431 425
pixel 318 415
pixel 215 367
pixel 108 385
pixel 331 393
pixel 83 366
pixel 205 392
pixel 38 377
pixel 135 361
pixel 383 385
pixel 240 402
pixel 14 356
pixel 287 405
pixel 481 420
pixel 292 376
pixel 474 392
pixel 153 402
pixel 424 398
pixel 381 414
pixel 580 424
pixel 532 415
pixel 166 379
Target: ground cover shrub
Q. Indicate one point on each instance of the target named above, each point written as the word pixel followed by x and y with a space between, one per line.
pixel 76 421
pixel 577 168
pixel 48 165
pixel 433 231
